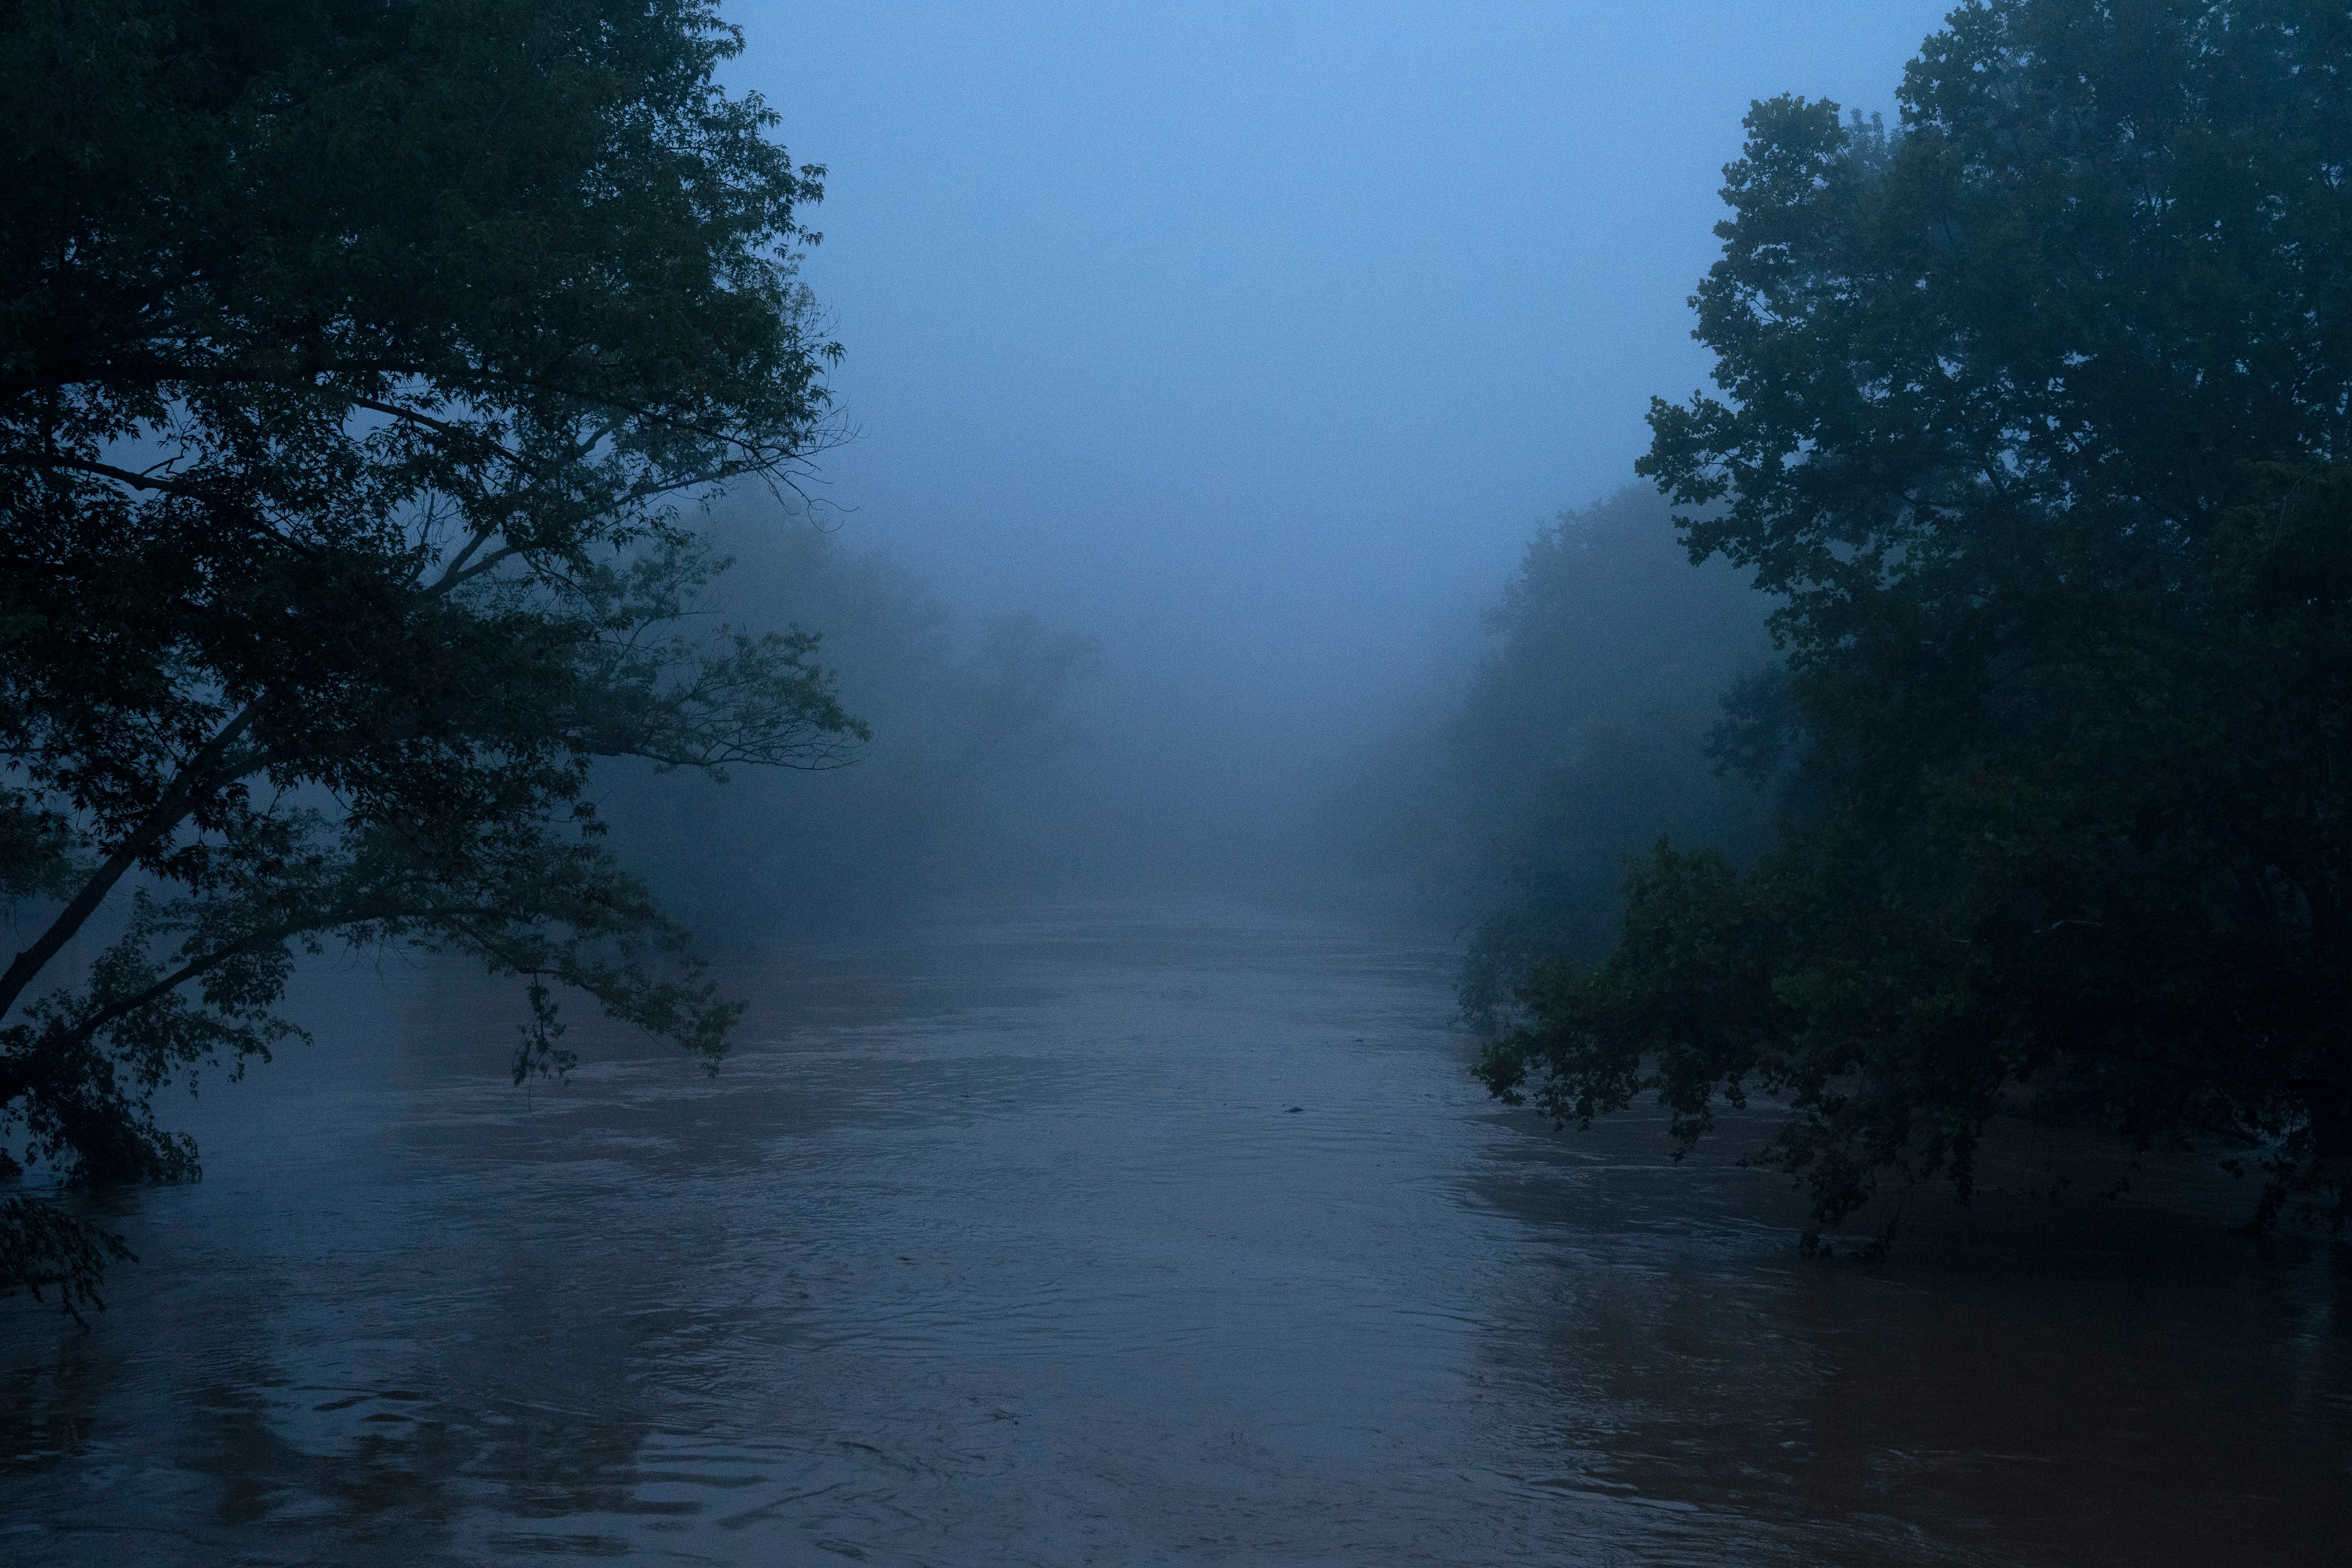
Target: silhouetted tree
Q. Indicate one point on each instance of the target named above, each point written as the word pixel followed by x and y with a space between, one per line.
pixel 2036 410
pixel 353 354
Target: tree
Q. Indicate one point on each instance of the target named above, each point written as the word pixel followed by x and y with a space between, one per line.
pixel 1582 735
pixel 355 358
pixel 2036 410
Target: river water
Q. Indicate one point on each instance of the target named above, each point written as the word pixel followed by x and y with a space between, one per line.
pixel 1118 1235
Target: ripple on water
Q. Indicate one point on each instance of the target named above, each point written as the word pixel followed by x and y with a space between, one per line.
pixel 1011 1248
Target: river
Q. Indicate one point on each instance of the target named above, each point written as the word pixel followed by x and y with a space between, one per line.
pixel 1118 1234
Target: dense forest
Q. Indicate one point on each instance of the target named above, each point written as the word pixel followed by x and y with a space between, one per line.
pixel 2032 425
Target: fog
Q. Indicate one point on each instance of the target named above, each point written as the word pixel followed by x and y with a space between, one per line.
pixel 1207 1060
pixel 1258 342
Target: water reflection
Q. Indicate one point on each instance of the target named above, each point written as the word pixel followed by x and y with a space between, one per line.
pixel 1011 1248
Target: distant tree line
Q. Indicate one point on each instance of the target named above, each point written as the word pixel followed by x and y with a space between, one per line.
pixel 972 720
pixel 2034 423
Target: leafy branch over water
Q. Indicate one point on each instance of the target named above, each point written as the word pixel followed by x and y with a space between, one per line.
pixel 359 361
pixel 2033 413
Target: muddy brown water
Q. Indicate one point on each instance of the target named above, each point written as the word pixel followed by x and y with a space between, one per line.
pixel 1121 1234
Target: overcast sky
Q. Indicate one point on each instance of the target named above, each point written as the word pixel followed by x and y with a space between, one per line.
pixel 1257 337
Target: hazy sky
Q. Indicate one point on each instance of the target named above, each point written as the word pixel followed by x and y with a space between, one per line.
pixel 1256 336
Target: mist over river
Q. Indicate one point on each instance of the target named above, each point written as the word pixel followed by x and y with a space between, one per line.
pixel 1133 1233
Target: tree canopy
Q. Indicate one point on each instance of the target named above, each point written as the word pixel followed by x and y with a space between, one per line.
pixel 2035 411
pixel 356 357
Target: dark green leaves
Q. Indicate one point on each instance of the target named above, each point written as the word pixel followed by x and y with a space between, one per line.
pixel 355 358
pixel 2036 412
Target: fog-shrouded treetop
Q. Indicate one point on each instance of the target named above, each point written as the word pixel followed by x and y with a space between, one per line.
pixel 1579 738
pixel 354 363
pixel 2037 410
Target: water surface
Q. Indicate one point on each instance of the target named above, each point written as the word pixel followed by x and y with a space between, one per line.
pixel 1118 1235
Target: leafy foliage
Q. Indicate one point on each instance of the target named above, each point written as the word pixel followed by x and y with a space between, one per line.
pixel 352 359
pixel 1580 738
pixel 2035 413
